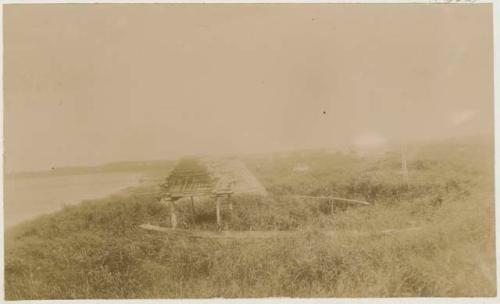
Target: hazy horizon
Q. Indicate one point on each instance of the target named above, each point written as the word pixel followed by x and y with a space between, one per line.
pixel 93 84
pixel 362 148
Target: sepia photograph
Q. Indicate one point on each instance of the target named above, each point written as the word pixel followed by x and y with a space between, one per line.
pixel 248 150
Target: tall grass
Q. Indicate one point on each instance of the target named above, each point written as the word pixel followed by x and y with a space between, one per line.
pixel 95 250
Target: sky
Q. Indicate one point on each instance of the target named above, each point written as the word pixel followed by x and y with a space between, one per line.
pixel 96 83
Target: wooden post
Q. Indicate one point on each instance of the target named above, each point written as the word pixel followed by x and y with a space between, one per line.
pixel 404 167
pixel 331 206
pixel 230 203
pixel 192 208
pixel 230 207
pixel 165 201
pixel 217 210
pixel 173 217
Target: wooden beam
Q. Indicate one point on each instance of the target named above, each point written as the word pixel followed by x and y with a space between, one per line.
pixel 272 234
pixel 333 198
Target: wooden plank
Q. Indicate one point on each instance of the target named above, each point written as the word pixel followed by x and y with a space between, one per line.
pixel 333 198
pixel 221 234
pixel 269 234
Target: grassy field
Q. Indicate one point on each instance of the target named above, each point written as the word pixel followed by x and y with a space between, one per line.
pixel 95 250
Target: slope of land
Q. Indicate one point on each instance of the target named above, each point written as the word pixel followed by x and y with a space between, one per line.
pixel 97 250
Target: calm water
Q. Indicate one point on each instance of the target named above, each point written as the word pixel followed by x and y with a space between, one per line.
pixel 28 197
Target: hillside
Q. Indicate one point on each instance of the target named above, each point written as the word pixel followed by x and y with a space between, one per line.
pixel 95 249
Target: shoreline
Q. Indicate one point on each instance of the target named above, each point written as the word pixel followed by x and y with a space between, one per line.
pixel 55 192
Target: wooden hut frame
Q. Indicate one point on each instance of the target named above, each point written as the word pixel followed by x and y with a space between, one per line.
pixel 191 179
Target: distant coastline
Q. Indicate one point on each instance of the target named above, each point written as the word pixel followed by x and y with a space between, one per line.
pixel 115 167
pixel 31 194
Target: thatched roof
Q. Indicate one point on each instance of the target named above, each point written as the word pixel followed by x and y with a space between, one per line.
pixel 196 177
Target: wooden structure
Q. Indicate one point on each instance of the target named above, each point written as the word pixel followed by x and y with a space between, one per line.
pixel 191 178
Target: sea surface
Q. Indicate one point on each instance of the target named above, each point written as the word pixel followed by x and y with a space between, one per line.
pixel 28 197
